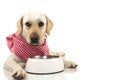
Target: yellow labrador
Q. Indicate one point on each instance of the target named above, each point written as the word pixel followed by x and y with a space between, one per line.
pixel 33 28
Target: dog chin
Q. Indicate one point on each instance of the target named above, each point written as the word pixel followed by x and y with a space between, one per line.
pixel 35 44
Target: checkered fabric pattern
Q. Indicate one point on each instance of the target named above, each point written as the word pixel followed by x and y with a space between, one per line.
pixel 18 45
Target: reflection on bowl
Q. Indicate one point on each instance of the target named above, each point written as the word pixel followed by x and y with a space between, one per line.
pixel 42 65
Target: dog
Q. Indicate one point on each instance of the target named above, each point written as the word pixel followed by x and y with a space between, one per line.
pixel 33 29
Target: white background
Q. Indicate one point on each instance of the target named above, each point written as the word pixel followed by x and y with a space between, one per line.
pixel 88 31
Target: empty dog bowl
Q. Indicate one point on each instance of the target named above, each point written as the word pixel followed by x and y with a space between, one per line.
pixel 41 65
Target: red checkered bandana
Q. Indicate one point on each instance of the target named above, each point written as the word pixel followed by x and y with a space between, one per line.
pixel 18 45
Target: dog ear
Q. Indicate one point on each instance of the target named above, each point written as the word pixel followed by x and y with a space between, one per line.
pixel 20 25
pixel 49 25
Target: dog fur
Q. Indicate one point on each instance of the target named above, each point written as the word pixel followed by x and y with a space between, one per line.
pixel 14 64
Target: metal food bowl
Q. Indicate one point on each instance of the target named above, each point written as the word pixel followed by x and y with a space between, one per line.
pixel 41 65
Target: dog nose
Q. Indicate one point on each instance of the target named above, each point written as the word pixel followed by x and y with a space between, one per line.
pixel 34 38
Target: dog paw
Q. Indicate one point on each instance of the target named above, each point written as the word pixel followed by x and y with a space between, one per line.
pixel 57 54
pixel 18 74
pixel 70 64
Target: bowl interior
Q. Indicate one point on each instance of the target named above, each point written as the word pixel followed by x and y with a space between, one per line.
pixel 45 57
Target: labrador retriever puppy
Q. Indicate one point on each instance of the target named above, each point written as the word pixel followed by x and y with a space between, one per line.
pixel 30 41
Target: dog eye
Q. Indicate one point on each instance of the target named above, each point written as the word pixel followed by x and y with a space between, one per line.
pixel 40 24
pixel 28 24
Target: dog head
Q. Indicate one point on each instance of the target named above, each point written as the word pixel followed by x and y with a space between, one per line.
pixel 33 27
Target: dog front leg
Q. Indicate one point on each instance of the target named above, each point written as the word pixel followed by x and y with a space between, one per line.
pixel 69 64
pixel 53 53
pixel 11 65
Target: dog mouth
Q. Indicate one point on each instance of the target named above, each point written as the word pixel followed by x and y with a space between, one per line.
pixel 32 42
